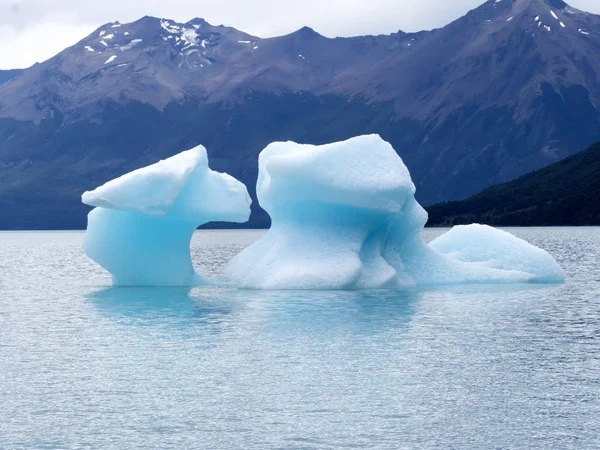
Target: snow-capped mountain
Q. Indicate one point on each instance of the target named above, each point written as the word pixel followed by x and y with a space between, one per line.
pixel 508 88
pixel 158 61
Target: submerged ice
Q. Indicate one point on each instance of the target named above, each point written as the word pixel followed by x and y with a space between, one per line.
pixel 344 216
pixel 141 228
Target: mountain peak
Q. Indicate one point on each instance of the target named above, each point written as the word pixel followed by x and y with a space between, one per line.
pixel 523 5
pixel 144 20
pixel 550 18
pixel 307 31
pixel 198 21
pixel 554 4
pixel 558 4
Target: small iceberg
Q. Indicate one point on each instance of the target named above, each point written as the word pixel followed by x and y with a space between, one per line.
pixel 344 216
pixel 141 228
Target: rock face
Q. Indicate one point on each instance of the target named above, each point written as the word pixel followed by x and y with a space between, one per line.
pixel 507 89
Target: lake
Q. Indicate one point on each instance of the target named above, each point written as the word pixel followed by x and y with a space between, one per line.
pixel 84 365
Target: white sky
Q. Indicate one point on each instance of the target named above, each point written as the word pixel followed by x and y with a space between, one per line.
pixel 35 30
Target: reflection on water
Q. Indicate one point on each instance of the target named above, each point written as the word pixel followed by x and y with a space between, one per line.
pixel 286 310
pixel 320 312
pixel 325 312
pixel 174 307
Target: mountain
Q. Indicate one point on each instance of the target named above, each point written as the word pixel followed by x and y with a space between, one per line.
pixel 509 88
pixel 564 193
pixel 6 75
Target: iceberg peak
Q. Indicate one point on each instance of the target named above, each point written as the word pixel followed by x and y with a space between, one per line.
pixel 151 190
pixel 143 222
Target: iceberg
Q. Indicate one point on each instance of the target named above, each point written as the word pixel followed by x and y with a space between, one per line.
pixel 142 223
pixel 344 216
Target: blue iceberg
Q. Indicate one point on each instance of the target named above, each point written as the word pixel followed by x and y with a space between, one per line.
pixel 141 228
pixel 344 216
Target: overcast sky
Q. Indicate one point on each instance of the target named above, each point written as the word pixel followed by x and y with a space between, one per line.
pixel 34 30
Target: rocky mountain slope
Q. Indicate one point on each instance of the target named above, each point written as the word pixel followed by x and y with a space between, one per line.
pixel 510 87
pixel 6 75
pixel 564 193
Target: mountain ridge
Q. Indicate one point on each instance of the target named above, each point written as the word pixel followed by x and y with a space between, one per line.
pixel 504 90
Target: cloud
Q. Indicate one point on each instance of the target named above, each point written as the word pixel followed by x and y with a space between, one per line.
pixel 37 42
pixel 34 30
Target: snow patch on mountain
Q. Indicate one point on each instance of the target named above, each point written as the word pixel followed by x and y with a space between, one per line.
pixel 132 44
pixel 190 38
pixel 166 25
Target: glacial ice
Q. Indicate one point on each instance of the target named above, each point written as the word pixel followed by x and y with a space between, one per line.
pixel 344 216
pixel 141 228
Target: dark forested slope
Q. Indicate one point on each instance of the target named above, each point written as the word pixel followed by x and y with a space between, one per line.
pixel 565 193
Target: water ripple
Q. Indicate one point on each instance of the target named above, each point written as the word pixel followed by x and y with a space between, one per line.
pixel 84 365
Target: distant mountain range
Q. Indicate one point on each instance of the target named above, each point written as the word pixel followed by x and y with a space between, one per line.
pixel 509 88
pixel 564 193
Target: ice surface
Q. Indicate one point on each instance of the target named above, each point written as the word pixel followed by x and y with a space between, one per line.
pixel 141 227
pixel 500 250
pixel 344 216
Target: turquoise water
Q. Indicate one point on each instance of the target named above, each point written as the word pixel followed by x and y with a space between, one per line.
pixel 83 365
